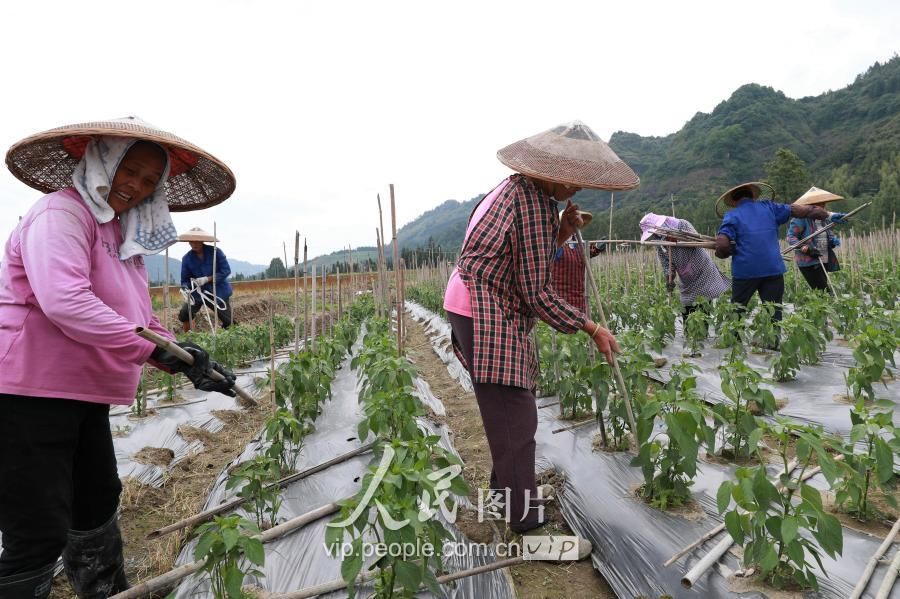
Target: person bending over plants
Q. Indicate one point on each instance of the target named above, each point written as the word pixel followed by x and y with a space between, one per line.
pixel 502 285
pixel 73 288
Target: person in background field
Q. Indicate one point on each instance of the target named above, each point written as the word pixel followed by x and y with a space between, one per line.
pixel 568 267
pixel 815 257
pixel 73 287
pixel 501 285
pixel 752 227
pixel 696 270
pixel 197 279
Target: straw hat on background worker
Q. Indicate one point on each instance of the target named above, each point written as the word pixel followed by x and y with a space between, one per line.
pixel 197 234
pixel 817 196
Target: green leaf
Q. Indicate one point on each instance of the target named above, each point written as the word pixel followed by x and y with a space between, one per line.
pixel 352 564
pixel 207 539
pixel 812 496
pixel 831 535
pixel 234 577
pixel 754 439
pixel 789 528
pixel 230 538
pixel 769 560
pixel 884 460
pixel 723 496
pixel 254 551
pixel 409 575
pixel 733 526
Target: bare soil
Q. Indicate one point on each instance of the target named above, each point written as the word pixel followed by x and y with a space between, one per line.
pixel 145 508
pixel 532 579
pixel 155 456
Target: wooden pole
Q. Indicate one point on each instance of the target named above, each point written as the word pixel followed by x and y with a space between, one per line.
pixel 592 348
pixel 166 304
pixel 234 502
pixel 167 580
pixel 887 583
pixel 272 372
pixel 612 201
pixel 184 356
pixel 383 272
pixel 305 298
pixel 312 324
pixel 398 283
pixel 215 299
pixel 873 562
pixel 297 292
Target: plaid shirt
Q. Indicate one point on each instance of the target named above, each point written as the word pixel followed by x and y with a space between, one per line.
pixel 505 264
pixel 568 275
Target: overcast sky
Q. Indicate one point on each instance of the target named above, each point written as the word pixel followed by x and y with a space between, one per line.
pixel 317 106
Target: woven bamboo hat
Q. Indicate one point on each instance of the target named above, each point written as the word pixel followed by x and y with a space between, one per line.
pixel 571 154
pixel 817 196
pixel 197 234
pixel 728 198
pixel 46 161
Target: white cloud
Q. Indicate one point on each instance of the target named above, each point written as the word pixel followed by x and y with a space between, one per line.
pixel 318 106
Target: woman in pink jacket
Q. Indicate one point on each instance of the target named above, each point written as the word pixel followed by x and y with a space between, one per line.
pixel 73 287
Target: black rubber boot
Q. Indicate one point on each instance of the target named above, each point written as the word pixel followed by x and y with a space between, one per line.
pixel 94 562
pixel 28 585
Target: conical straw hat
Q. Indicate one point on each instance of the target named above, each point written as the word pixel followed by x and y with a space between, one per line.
pixel 571 154
pixel 817 196
pixel 754 192
pixel 196 234
pixel 46 161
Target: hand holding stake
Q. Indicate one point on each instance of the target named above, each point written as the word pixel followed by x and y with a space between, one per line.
pixel 246 400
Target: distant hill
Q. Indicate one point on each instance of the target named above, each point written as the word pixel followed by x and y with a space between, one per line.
pixel 849 140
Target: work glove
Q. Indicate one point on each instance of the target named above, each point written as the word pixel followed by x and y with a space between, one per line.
pixel 201 281
pixel 835 241
pixel 198 372
pixel 837 217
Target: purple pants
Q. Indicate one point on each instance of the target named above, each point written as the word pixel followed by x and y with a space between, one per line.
pixel 509 415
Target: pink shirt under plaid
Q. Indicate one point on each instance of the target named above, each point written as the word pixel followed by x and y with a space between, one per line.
pixel 505 263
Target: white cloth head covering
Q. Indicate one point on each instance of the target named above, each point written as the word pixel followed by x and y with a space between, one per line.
pixel 147 228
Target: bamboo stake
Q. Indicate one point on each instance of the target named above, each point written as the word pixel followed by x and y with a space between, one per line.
pixel 592 348
pixel 272 347
pixel 396 252
pixel 824 228
pixel 233 503
pixel 873 562
pixel 166 304
pixel 690 578
pixel 245 399
pixel 297 292
pixel 887 583
pixel 339 584
pixel 305 300
pixel 324 302
pixel 312 325
pixel 215 322
pixel 167 580
pixel 620 381
pixel 612 201
pixel 574 426
pixel 383 270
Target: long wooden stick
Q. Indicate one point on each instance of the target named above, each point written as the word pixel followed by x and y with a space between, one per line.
pixel 620 381
pixel 397 281
pixel 246 400
pixel 231 504
pixel 823 229
pixel 215 310
pixel 592 348
pixel 170 578
pixel 887 583
pixel 297 292
pixel 860 587
pixel 305 295
pixel 339 584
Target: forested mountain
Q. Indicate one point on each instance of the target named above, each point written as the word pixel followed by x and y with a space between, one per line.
pixel 847 141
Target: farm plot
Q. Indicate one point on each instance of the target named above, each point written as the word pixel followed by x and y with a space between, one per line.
pixel 378 402
pixel 677 430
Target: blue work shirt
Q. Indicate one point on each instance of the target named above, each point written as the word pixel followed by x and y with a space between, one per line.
pixel 194 267
pixel 753 226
